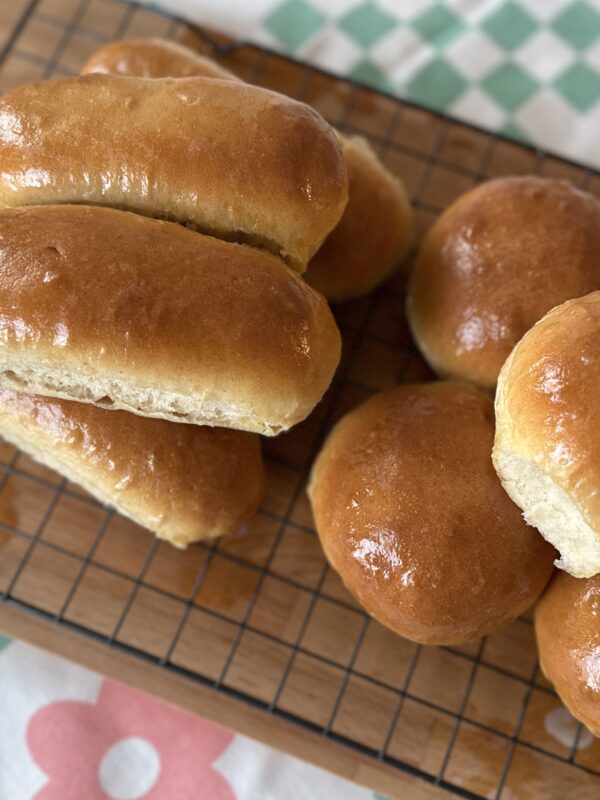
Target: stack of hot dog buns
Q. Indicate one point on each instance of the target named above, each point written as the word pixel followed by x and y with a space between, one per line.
pixel 155 221
pixel 152 236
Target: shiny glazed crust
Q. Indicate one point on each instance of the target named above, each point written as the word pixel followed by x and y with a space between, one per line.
pixel 493 264
pixel 375 232
pixel 231 159
pixel 153 58
pixel 117 309
pixel 184 482
pixel 567 630
pixel 412 516
pixel 547 446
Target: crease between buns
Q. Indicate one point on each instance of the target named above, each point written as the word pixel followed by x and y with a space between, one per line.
pixel 375 232
pixel 233 160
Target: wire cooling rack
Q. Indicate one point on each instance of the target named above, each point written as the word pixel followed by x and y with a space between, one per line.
pixel 260 616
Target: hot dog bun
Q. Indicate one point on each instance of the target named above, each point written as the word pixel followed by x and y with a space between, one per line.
pixel 184 482
pixel 113 308
pixel 233 160
pixel 153 58
pixel 375 232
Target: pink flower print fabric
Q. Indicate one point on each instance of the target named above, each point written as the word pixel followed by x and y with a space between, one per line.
pixel 126 746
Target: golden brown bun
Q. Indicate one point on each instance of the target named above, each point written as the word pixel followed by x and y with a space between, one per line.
pixel 374 234
pixel 105 306
pixel 412 516
pixel 493 264
pixel 184 482
pixel 231 159
pixel 567 628
pixel 547 448
pixel 153 58
pixel 376 229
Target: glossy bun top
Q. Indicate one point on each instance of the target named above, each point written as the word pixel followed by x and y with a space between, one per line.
pixel 567 627
pixel 412 515
pixel 493 264
pixel 547 447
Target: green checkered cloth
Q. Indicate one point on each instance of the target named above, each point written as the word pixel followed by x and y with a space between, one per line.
pixel 527 68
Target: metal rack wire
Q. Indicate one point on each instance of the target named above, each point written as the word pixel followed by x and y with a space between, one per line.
pixel 261 616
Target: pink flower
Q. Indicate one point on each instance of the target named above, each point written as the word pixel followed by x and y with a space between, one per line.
pixel 127 746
